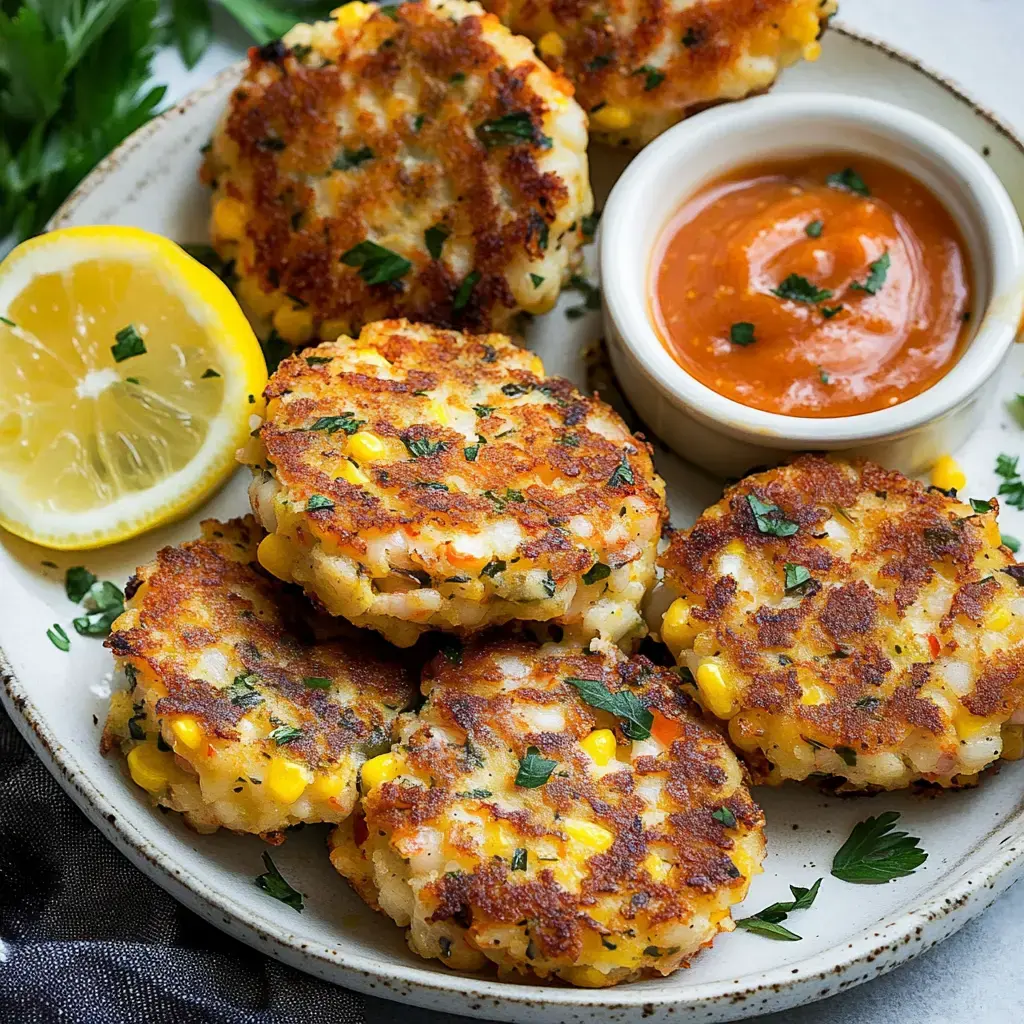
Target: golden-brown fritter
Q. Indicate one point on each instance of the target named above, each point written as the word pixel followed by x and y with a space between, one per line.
pixel 847 621
pixel 554 811
pixel 237 713
pixel 418 161
pixel 423 479
pixel 639 66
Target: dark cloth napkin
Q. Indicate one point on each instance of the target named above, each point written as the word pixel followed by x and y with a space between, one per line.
pixel 88 939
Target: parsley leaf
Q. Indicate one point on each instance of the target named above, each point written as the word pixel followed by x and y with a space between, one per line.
pixel 59 638
pixel 534 770
pixel 622 475
pixel 742 333
pixel 273 884
pixel 877 273
pixel 434 238
pixel 588 225
pixel 317 682
pixel 849 181
pixel 769 518
pixel 349 158
pixel 465 290
pixel 1012 487
pixel 799 289
pixel 242 693
pixel 597 572
pixel 652 76
pixel 519 858
pixel 537 280
pixel 423 447
pixel 332 424
pixel 636 719
pixel 77 581
pixel 318 501
pixel 725 816
pixel 874 853
pixel 285 734
pixel 796 577
pixel 493 567
pixel 127 343
pixel 104 602
pixel 768 921
pixel 377 265
pixel 830 311
pixel 814 229
pixel 979 506
pixel 510 130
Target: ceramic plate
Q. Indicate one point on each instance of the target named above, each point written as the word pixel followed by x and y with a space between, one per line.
pixel 974 839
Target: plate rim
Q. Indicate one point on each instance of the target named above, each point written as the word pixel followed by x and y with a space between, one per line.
pixel 779 988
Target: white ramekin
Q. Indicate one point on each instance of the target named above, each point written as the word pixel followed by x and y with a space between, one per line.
pixel 726 437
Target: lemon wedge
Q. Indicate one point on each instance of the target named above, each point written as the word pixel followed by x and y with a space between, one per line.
pixel 128 377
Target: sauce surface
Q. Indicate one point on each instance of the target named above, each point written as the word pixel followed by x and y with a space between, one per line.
pixel 823 286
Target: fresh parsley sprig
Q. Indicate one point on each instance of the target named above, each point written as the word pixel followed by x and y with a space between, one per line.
pixel 273 883
pixel 1012 487
pixel 636 720
pixel 875 853
pixel 768 922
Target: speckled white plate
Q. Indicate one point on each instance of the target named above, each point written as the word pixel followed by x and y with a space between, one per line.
pixel 975 840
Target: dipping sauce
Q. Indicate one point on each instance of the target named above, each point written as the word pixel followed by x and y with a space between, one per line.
pixel 823 286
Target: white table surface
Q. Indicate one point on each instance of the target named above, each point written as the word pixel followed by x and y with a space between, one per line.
pixel 974 976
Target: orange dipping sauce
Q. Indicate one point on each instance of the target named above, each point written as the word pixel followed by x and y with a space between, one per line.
pixel 785 288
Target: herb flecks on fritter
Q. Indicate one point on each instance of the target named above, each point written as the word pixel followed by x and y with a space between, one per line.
pixel 639 67
pixel 847 621
pixel 423 479
pixel 554 811
pixel 415 161
pixel 237 715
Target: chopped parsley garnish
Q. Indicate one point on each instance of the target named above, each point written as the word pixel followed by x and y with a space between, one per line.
pixel 979 506
pixel 483 411
pixel 797 576
pixel 537 280
pixel 691 38
pixel 636 719
pixel 597 572
pixel 451 648
pixel 317 682
pixel 493 567
pixel 127 343
pixel 847 755
pixel 317 501
pixel 519 859
pixel 349 158
pixel 514 390
pixel 602 60
pixel 653 77
pixel 588 225
pixel 423 447
pixel 135 728
pixel 475 794
pixel 435 238
pixel 285 734
pixel 59 638
pixel 830 311
pixel 849 181
pixel 823 376
pixel 462 296
pixel 874 853
pixel 769 518
pixel 471 452
pixel 207 374
pixel 534 770
pixel 317 360
pixel 273 884
pixel 1012 487
pixel 799 289
pixel 377 265
pixel 431 485
pixel 814 229
pixel 77 581
pixel 242 693
pixel 332 424
pixel 742 333
pixel 1010 542
pixel 10 323
pixel 549 584
pixel 510 130
pixel 725 816
pixel 103 603
pixel 622 475
pixel 869 704
pixel 768 922
pixel 877 273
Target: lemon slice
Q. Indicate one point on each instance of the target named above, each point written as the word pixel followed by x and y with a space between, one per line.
pixel 128 376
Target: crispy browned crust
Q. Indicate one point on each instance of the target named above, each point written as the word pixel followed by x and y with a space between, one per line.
pixel 210 593
pixel 526 441
pixel 606 64
pixel 467 696
pixel 843 629
pixel 505 202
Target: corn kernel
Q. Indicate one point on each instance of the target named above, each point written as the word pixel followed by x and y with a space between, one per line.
pixel 814 695
pixel 537 366
pixel 600 745
pixel 734 547
pixel 366 446
pixel 612 118
pixel 352 14
pixel 551 44
pixel 275 555
pixel 657 868
pixel 438 412
pixel 294 324
pixel 285 780
pixel 149 767
pixel 947 474
pixel 587 833
pixel 676 630
pixel 229 218
pixel 380 769
pixel 188 731
pixel 715 691
pixel 998 620
pixel 1013 742
pixel 353 474
pixel 325 787
pixel 812 51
